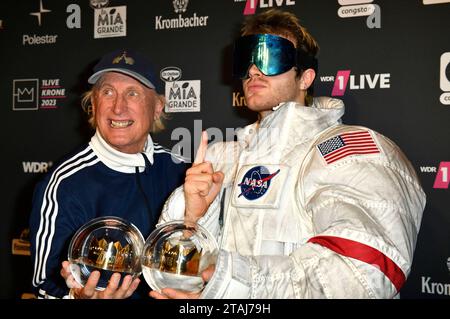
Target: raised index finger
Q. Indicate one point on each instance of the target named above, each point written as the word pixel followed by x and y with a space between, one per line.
pixel 201 152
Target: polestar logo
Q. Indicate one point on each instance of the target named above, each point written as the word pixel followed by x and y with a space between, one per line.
pixel 41 10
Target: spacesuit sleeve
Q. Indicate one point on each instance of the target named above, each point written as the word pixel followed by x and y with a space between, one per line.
pixel 174 207
pixel 366 213
pixel 174 210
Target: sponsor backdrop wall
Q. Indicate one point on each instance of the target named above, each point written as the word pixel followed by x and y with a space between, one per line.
pixel 388 60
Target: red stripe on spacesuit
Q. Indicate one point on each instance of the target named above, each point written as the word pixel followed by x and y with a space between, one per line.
pixel 362 252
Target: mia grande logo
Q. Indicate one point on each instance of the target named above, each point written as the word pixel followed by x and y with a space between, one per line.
pixel 183 95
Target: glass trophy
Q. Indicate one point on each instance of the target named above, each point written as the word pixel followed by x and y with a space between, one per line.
pixel 108 244
pixel 175 255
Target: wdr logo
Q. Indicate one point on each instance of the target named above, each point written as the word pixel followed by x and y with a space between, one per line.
pixel 344 79
pixel 36 167
pixel 442 180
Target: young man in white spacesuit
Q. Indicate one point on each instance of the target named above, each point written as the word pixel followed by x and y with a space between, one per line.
pixel 301 205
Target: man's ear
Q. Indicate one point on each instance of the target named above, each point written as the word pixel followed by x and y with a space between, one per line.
pixel 160 102
pixel 307 79
pixel 92 110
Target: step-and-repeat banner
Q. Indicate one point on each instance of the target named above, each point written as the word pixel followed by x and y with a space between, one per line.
pixel 389 61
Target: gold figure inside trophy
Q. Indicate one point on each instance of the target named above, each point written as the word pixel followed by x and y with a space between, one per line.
pixel 175 255
pixel 180 257
pixel 106 244
pixel 107 254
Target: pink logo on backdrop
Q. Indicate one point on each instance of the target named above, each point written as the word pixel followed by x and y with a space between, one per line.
pixel 250 7
pixel 340 82
pixel 442 179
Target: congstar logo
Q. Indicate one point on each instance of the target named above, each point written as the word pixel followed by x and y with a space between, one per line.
pixel 361 8
pixel 444 78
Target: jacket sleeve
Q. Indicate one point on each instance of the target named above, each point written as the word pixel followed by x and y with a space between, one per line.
pixel 366 213
pixel 52 223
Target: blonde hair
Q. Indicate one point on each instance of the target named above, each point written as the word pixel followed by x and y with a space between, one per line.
pixel 86 105
pixel 275 21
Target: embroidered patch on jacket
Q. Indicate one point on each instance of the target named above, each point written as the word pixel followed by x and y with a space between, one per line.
pixel 256 182
pixel 346 144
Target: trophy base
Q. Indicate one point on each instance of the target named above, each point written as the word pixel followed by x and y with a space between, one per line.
pixel 81 273
pixel 159 279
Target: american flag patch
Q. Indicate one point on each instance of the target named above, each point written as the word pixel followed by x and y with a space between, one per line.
pixel 346 144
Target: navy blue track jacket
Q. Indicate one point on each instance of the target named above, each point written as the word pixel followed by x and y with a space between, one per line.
pixel 96 181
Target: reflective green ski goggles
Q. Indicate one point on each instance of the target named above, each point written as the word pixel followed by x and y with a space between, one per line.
pixel 272 55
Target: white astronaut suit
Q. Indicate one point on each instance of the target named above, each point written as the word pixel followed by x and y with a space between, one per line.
pixel 310 208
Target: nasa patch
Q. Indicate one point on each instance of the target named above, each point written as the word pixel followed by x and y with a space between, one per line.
pixel 259 186
pixel 256 182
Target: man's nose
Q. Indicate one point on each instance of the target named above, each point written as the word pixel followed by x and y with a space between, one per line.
pixel 120 104
pixel 254 71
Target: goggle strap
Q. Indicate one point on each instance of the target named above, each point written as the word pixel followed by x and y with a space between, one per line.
pixel 306 61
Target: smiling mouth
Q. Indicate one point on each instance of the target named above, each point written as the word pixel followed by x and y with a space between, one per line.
pixel 121 124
